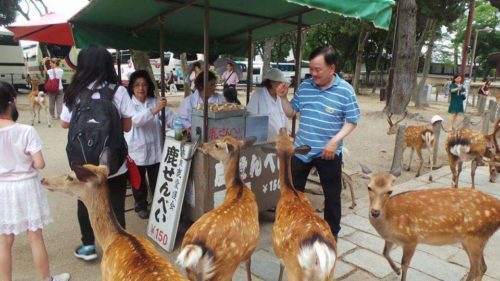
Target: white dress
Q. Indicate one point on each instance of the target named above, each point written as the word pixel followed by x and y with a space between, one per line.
pixel 23 201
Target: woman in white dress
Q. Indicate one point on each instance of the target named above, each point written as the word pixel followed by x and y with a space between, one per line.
pixel 23 202
pixel 266 101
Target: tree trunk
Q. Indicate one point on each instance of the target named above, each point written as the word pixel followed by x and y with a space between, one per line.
pixel 184 66
pixel 420 44
pixel 455 57
pixel 141 62
pixel 378 71
pixel 404 77
pixel 363 37
pixel 267 53
pixel 427 65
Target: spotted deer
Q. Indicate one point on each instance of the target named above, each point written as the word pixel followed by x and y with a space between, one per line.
pixel 434 216
pixel 417 138
pixel 494 160
pixel 468 145
pixel 125 256
pixel 302 240
pixel 38 101
pixel 221 239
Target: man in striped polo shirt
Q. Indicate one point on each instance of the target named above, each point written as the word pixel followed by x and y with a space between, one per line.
pixel 328 113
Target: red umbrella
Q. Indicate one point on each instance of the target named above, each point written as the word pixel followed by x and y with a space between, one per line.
pixel 51 28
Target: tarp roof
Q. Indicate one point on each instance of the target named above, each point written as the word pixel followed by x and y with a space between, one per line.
pixel 132 24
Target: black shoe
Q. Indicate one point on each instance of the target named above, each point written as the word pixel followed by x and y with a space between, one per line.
pixel 143 214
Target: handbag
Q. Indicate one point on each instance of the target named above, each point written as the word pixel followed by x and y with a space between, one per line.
pixel 52 85
pixel 134 176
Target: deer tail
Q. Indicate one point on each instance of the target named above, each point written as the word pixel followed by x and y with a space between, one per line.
pixel 197 259
pixel 317 258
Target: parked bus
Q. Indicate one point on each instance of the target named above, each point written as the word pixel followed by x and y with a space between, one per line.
pixel 11 61
pixel 287 68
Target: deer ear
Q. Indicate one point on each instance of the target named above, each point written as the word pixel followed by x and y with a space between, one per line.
pixel 83 174
pixel 366 171
pixel 248 141
pixel 268 148
pixel 303 149
pixel 396 172
pixel 229 148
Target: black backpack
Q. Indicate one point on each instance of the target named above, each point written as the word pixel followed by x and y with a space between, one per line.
pixel 96 124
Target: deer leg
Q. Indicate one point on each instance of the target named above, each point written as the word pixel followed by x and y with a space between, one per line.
pixel 249 272
pixel 474 247
pixel 46 109
pixel 452 161
pixel 459 170
pixel 346 179
pixel 408 251
pixel 473 168
pixel 39 114
pixel 431 161
pixel 419 154
pixel 387 250
pixel 411 158
pixel 281 272
pixel 33 115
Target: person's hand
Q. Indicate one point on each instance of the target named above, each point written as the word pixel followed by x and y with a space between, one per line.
pixel 282 89
pixel 329 150
pixel 162 103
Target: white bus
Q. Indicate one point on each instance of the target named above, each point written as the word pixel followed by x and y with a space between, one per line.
pixel 11 61
pixel 287 68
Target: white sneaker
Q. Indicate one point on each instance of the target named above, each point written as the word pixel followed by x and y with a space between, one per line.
pixel 61 277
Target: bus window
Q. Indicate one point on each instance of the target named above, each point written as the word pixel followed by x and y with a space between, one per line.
pixel 8 40
pixel 256 71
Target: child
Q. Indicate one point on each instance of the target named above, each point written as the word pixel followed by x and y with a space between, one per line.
pixel 24 205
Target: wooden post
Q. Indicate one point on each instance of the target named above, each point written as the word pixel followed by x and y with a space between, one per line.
pixel 474 96
pixel 397 159
pixel 205 72
pixel 492 108
pixel 162 77
pixel 436 128
pixel 466 122
pixel 485 122
pixel 298 63
pixel 249 66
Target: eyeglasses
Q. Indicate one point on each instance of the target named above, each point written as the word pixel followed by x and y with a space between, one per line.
pixel 140 85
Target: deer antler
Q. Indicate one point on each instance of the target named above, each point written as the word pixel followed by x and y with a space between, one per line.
pixel 389 120
pixel 404 116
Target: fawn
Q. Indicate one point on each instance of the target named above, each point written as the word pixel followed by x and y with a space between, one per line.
pixel 38 101
pixel 302 240
pixel 125 256
pixel 221 239
pixel 435 216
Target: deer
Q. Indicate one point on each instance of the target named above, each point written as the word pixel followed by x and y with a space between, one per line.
pixel 125 256
pixel 417 138
pixel 38 101
pixel 494 160
pixel 221 239
pixel 302 240
pixel 468 145
pixel 438 216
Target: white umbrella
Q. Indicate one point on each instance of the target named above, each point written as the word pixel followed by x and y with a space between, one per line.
pixel 190 69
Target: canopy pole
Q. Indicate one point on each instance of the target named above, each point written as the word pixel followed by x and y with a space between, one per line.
pixel 249 66
pixel 162 75
pixel 205 72
pixel 298 64
pixel 119 65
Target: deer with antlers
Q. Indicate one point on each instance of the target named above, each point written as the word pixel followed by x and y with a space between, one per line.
pixel 417 138
pixel 468 145
pixel 302 240
pixel 221 239
pixel 434 216
pixel 125 256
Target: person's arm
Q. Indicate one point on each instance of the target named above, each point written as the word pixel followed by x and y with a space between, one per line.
pixel 454 89
pixel 38 161
pixel 282 92
pixel 127 124
pixel 330 148
pixel 64 125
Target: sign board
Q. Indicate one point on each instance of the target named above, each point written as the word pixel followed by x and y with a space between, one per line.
pixel 169 193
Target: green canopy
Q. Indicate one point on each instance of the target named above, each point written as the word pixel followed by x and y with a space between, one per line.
pixel 132 24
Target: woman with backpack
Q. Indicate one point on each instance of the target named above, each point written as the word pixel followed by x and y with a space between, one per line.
pixel 96 105
pixel 56 97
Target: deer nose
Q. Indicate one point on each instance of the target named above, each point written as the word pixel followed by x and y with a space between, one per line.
pixel 42 181
pixel 375 213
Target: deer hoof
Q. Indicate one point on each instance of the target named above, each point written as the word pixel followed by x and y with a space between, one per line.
pixel 50 125
pixel 430 178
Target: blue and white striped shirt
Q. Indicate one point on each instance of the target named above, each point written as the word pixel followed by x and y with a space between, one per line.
pixel 323 113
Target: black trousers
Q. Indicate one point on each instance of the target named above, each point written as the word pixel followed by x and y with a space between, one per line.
pixel 330 175
pixel 141 195
pixel 117 189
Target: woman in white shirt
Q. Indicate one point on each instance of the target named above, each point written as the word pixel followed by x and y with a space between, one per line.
pixel 265 101
pixel 143 140
pixel 95 72
pixel 55 99
pixel 192 101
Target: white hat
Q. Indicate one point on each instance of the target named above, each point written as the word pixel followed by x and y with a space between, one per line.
pixel 275 75
pixel 436 118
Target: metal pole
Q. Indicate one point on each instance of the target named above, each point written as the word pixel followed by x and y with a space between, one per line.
pixel 249 66
pixel 473 58
pixel 468 32
pixel 162 75
pixel 205 72
pixel 298 63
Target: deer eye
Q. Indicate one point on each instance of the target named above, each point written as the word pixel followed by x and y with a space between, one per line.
pixel 389 192
pixel 69 178
pixel 370 189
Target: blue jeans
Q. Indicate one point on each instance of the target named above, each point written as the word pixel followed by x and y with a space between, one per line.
pixel 330 175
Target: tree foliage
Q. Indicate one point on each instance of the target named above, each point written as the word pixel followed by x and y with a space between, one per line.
pixel 7 11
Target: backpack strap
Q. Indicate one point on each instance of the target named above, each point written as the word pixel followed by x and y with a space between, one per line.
pixel 108 92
